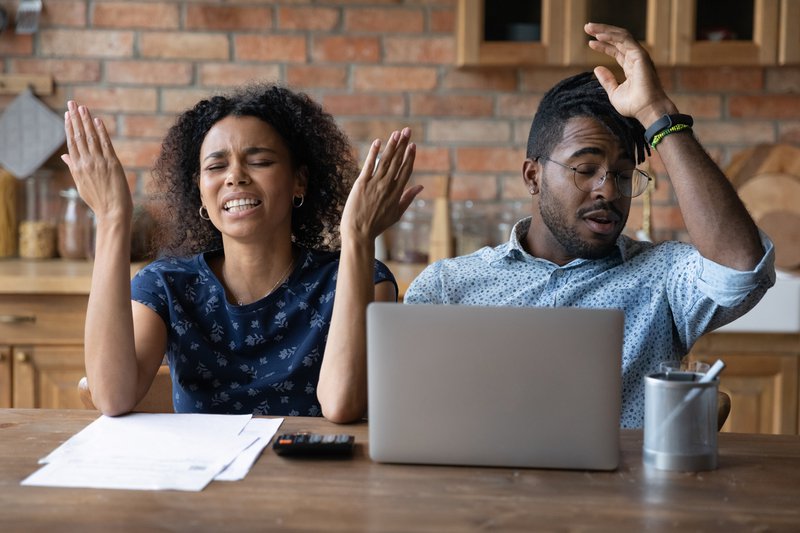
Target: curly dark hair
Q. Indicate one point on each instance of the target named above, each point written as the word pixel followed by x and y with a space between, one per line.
pixel 582 96
pixel 313 140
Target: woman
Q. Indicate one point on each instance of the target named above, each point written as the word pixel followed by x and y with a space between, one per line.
pixel 253 188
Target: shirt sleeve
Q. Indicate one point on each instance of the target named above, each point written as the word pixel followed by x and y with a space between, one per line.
pixel 147 288
pixel 382 273
pixel 729 287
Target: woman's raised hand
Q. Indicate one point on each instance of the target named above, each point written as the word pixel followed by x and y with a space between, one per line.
pixel 94 165
pixel 379 196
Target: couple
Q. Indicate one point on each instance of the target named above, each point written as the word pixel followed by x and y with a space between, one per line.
pixel 266 225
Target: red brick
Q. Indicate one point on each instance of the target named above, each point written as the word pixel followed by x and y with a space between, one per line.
pixel 749 132
pixel 395 78
pixel 279 48
pixel 62 70
pixel 331 77
pixel 209 17
pixel 364 104
pixel 230 74
pixel 473 188
pixel 432 50
pixel 383 20
pixel 12 44
pixel 308 18
pixel 65 13
pixel 135 15
pixel 442 21
pixel 148 73
pixel 783 80
pixel 468 131
pixel 431 158
pixel 496 159
pixel 722 79
pixel 86 43
pixel 777 106
pixel 146 126
pixel 441 105
pixel 699 105
pixel 369 130
pixel 137 153
pixel 179 100
pixel 117 100
pixel 520 105
pixel 789 132
pixel 484 79
pixel 182 45
pixel 342 48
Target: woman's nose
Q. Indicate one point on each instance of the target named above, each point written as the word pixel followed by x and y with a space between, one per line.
pixel 237 175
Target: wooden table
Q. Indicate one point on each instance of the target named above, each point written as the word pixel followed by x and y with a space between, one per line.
pixel 756 488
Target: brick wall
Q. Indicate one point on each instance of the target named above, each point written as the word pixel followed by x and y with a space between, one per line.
pixel 377 65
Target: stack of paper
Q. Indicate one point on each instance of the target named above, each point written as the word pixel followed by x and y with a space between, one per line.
pixel 157 452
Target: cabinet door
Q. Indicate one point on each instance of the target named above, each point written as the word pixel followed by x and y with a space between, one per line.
pixel 647 20
pixel 761 377
pixel 789 43
pixel 47 376
pixel 725 32
pixel 500 38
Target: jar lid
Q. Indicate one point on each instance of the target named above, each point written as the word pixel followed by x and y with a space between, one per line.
pixel 72 192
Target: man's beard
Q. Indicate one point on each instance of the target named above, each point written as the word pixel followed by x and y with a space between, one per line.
pixel 554 216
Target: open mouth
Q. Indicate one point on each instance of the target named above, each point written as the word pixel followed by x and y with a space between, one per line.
pixel 241 204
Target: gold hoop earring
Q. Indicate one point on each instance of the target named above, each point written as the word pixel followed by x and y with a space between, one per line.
pixel 298 203
pixel 206 217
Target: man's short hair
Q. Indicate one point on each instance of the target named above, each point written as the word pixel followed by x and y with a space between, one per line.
pixel 582 96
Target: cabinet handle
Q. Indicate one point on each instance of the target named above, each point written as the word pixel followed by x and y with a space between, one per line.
pixel 22 357
pixel 17 319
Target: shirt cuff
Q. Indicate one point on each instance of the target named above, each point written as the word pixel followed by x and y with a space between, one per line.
pixel 728 286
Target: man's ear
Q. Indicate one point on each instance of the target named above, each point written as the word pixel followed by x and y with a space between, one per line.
pixel 531 175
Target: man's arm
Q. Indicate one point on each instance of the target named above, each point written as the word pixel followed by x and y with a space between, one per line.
pixel 718 223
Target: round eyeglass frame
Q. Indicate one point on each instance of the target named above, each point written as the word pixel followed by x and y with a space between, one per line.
pixel 595 183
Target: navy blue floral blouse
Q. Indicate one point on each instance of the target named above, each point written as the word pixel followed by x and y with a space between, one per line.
pixel 260 358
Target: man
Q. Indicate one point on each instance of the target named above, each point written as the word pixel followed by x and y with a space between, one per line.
pixel 585 140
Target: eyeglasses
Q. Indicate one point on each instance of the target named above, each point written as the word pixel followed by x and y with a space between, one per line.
pixel 589 177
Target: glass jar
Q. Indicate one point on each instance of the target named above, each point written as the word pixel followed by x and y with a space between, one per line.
pixel 72 222
pixel 470 228
pixel 410 238
pixel 37 228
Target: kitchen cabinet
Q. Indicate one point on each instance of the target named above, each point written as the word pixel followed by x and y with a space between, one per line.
pixel 42 317
pixel 675 32
pixel 761 377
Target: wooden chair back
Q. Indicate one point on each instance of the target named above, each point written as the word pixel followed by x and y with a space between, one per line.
pixel 157 400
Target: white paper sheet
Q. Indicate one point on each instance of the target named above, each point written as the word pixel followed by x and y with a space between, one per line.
pixel 261 428
pixel 147 452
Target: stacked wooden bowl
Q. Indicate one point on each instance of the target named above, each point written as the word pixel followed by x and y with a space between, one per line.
pixel 767 178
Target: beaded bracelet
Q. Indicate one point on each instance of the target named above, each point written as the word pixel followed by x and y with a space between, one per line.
pixel 664 123
pixel 663 133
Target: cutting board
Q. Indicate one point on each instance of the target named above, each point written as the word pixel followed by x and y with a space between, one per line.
pixel 767 179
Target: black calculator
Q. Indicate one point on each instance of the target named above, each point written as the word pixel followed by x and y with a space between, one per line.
pixel 314 444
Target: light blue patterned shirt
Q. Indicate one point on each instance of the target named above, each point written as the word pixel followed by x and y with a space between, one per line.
pixel 670 295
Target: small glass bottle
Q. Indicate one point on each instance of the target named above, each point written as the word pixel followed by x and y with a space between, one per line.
pixel 37 228
pixel 72 223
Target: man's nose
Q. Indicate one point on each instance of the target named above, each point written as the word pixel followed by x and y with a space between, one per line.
pixel 606 186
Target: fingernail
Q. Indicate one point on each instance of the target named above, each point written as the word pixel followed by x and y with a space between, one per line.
pixel 406 132
pixel 82 110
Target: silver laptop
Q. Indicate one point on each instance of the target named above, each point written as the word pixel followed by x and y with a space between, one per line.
pixel 494 386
